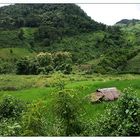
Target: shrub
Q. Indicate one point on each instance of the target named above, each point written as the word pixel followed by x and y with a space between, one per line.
pixel 57 80
pixel 10 107
pixel 67 111
pixel 10 127
pixel 43 63
pixel 27 66
pixel 6 67
pixel 23 66
pixel 123 119
pixel 33 120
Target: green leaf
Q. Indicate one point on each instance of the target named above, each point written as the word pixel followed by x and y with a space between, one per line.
pixel 126 111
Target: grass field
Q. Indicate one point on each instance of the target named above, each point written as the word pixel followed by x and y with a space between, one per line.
pixel 11 53
pixel 41 87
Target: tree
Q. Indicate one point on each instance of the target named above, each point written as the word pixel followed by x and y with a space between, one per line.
pixel 62 61
pixel 23 66
pixel 21 34
pixel 45 62
pixel 44 59
pixel 19 22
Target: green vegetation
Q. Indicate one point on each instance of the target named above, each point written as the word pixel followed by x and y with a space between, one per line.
pixel 67 110
pixel 122 119
pixel 49 98
pixel 14 53
pixel 85 40
pixel 9 38
pixel 69 30
pixel 53 20
pixel 133 65
pixel 45 63
pixel 52 57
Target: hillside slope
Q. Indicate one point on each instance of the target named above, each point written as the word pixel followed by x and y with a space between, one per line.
pixel 42 24
pixel 133 65
pixel 32 28
pixel 131 29
pixel 66 16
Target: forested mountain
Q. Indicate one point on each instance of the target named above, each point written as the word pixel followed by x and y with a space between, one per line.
pixel 28 29
pixel 128 21
pixel 46 22
pixel 67 17
pixel 131 29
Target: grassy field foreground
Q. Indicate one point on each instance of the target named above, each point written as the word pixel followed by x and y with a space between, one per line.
pixel 41 87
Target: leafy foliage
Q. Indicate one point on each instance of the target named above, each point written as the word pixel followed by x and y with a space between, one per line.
pixel 34 121
pixel 122 119
pixel 115 60
pixel 10 127
pixel 68 118
pixel 70 18
pixel 65 28
pixel 10 107
pixel 44 63
pixel 67 110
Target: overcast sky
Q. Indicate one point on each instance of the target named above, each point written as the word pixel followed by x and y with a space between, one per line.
pixel 110 13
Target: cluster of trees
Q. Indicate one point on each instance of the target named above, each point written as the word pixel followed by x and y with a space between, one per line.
pixel 115 38
pixel 69 18
pixel 83 48
pixel 55 23
pixel 115 60
pixel 44 63
pixel 18 118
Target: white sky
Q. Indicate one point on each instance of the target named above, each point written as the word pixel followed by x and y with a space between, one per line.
pixel 110 13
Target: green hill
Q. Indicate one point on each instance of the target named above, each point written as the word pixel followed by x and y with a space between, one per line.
pixel 133 65
pixel 131 29
pixel 38 26
pixel 128 22
pixel 27 29
pixel 68 18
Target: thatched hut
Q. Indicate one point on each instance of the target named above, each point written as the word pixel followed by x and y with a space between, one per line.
pixel 106 94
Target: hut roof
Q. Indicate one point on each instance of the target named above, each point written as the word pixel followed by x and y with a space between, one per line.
pixel 105 94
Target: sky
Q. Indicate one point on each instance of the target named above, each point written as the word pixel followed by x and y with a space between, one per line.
pixel 110 13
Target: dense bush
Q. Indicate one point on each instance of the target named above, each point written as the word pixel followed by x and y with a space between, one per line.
pixel 10 107
pixel 123 119
pixel 6 67
pixel 27 66
pixel 18 120
pixel 44 63
pixel 67 111
pixel 63 61
pixel 10 127
pixel 33 120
